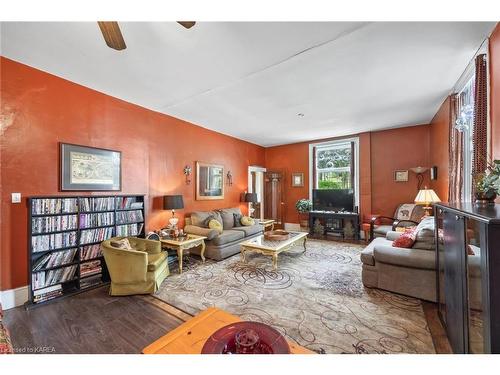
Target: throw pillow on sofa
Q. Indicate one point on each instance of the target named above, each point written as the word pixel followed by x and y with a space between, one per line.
pixel 407 239
pixel 206 222
pixel 214 224
pixel 237 219
pixel 122 244
pixel 247 221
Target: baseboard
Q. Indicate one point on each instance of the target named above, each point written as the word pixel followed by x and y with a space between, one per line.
pixel 13 297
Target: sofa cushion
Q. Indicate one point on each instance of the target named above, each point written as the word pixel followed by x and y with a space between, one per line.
pixel 198 218
pixel 249 230
pixel 228 236
pixel 382 230
pixel 227 215
pixel 412 258
pixel 216 225
pixel 199 231
pixel 155 260
pixel 425 229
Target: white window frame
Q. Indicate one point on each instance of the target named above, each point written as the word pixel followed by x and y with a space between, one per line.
pixel 333 144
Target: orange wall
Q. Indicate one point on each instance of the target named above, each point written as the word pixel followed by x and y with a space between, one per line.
pixel 39 110
pixel 380 154
pixel 495 91
pixel 439 149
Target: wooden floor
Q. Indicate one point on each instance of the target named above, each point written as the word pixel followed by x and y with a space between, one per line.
pixel 94 322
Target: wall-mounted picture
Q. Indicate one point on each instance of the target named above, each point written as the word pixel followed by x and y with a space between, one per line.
pixel 87 168
pixel 209 181
pixel 297 179
pixel 401 176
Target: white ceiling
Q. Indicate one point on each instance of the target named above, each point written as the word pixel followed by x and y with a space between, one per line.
pixel 250 80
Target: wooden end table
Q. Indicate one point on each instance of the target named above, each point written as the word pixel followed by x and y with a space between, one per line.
pixel 267 223
pixel 190 336
pixel 272 248
pixel 185 243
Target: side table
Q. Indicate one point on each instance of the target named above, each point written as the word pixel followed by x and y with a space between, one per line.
pixel 184 243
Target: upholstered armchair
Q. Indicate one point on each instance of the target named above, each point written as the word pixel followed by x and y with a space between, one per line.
pixel 137 271
pixel 406 215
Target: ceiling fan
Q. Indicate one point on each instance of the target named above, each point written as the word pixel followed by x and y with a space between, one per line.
pixel 114 38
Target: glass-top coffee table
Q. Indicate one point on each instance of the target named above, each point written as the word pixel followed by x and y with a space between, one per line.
pixel 272 247
pixel 184 243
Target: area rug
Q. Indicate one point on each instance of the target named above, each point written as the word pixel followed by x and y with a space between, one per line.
pixel 314 298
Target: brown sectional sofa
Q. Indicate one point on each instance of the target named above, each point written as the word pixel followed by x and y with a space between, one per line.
pixel 227 243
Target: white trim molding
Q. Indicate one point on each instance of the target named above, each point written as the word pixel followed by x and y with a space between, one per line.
pixel 13 297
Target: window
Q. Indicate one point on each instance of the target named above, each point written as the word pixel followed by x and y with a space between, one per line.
pixel 334 165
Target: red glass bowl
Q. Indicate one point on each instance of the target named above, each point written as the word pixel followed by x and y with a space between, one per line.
pixel 223 340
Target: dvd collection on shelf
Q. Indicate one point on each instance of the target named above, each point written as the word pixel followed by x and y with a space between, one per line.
pixel 66 232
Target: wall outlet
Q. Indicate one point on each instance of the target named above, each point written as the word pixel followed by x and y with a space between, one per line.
pixel 16 197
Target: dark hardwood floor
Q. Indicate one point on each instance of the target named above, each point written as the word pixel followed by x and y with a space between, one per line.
pixel 91 322
pixel 94 322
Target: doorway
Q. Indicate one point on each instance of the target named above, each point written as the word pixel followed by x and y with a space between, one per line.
pixel 256 185
pixel 274 196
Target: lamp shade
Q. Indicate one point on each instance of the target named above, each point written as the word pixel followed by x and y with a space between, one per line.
pixel 426 196
pixel 172 202
pixel 251 197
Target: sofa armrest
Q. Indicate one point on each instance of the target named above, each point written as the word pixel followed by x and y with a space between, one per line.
pixel 199 231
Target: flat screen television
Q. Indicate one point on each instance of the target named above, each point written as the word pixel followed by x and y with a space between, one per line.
pixel 333 200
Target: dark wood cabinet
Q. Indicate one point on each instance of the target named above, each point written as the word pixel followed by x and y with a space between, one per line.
pixel 468 275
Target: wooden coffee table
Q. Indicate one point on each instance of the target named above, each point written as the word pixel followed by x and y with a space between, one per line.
pixel 181 244
pixel 272 248
pixel 190 336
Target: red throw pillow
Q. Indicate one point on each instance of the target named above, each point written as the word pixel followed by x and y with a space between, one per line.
pixel 407 239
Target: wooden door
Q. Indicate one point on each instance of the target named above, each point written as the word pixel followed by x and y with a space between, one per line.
pixel 274 196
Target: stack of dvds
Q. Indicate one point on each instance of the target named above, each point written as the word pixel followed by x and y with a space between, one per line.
pixel 54 259
pixel 53 241
pixel 90 252
pixel 90 268
pixel 89 236
pixel 124 203
pixel 97 204
pixel 129 230
pixel 60 275
pixel 45 294
pixel 53 223
pixel 124 217
pixel 96 220
pixel 41 206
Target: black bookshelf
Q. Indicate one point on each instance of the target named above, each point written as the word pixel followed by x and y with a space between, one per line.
pixel 61 225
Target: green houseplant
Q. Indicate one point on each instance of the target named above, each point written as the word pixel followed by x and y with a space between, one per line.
pixel 303 207
pixel 488 184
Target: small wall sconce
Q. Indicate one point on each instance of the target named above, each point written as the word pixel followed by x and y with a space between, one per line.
pixel 187 173
pixel 229 177
pixel 419 171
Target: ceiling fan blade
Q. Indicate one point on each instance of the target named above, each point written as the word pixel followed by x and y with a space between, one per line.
pixel 112 35
pixel 187 24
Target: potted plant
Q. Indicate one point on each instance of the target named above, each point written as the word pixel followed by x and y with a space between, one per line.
pixel 303 207
pixel 488 184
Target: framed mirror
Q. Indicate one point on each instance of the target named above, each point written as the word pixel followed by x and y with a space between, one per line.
pixel 209 181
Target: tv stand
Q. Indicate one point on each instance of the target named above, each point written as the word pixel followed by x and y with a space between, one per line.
pixel 335 222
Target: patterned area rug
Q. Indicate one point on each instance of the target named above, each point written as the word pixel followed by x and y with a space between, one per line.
pixel 315 298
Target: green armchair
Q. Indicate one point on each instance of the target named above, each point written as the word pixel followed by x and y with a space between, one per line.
pixel 137 271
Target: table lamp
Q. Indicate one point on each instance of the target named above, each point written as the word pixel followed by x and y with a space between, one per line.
pixel 251 198
pixel 426 197
pixel 173 202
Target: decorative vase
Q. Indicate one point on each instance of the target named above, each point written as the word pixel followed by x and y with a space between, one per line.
pixel 304 219
pixel 484 199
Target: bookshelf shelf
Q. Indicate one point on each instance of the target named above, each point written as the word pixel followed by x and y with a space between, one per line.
pixel 48 226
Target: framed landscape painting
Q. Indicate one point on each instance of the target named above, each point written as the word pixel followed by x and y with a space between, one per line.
pixel 88 169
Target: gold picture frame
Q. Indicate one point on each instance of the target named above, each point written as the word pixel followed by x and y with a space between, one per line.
pixel 298 179
pixel 401 175
pixel 209 181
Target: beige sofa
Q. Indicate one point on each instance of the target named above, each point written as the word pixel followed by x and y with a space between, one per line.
pixel 411 272
pixel 227 243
